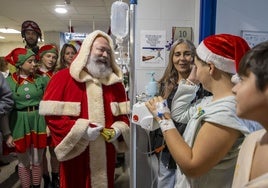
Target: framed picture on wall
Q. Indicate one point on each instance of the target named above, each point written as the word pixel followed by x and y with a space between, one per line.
pixel 254 37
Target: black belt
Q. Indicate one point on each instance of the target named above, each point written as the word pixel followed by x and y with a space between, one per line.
pixel 29 108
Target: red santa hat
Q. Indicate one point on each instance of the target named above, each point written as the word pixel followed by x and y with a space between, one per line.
pixel 18 56
pixel 223 50
pixel 47 49
pixel 32 26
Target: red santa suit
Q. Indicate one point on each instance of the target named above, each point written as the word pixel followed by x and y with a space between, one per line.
pixel 74 99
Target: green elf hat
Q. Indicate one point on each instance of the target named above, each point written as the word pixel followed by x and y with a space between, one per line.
pixel 47 49
pixel 18 56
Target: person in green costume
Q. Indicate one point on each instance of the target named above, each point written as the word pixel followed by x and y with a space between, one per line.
pixel 28 128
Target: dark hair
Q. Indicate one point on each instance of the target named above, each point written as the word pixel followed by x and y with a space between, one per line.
pixel 3 64
pixel 256 61
pixel 62 63
pixel 170 76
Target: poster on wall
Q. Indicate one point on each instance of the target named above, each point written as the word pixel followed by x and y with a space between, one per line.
pixel 153 50
pixel 75 39
pixel 254 37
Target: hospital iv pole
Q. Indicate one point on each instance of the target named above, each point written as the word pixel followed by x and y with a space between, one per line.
pixel 132 91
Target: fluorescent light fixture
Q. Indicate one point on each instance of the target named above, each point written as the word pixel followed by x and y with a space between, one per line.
pixel 7 30
pixel 60 9
pixel 2 37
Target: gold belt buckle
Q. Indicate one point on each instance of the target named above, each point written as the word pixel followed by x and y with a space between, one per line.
pixel 30 108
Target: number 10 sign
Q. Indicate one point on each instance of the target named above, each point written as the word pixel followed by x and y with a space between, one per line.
pixel 182 33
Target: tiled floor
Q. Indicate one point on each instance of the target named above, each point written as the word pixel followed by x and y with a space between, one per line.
pixel 9 178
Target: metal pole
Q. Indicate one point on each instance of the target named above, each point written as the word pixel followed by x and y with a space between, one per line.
pixel 132 92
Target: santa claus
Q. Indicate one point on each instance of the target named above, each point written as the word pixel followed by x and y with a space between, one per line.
pixel 86 109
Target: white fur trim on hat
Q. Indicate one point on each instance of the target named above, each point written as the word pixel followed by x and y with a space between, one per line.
pixel 82 58
pixel 235 79
pixel 222 63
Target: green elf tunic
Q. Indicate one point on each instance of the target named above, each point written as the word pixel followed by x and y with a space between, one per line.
pixel 27 126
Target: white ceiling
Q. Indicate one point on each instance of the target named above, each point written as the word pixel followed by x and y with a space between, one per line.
pixel 81 15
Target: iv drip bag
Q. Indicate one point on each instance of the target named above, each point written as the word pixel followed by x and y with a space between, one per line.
pixel 119 19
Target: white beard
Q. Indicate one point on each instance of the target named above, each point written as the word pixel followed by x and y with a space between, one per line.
pixel 99 67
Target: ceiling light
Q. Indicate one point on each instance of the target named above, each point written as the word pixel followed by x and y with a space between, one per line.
pixel 2 37
pixel 61 10
pixel 7 30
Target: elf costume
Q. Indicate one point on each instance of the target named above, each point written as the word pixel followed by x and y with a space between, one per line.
pixel 28 128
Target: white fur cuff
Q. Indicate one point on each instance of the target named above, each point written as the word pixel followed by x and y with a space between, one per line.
pixel 120 108
pixel 73 144
pixel 59 108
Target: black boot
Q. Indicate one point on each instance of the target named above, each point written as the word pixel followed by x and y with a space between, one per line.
pixel 55 180
pixel 35 186
pixel 46 179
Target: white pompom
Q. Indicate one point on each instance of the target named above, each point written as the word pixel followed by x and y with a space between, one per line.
pixel 235 79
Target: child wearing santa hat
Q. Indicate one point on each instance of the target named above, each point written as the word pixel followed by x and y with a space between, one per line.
pixel 28 128
pixel 207 151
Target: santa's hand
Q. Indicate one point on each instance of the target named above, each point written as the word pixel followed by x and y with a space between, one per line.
pixel 111 134
pixel 92 133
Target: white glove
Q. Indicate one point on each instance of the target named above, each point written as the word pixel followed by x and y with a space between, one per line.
pixel 92 133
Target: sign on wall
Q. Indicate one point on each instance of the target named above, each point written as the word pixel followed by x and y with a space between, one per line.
pixel 75 39
pixel 254 37
pixel 182 33
pixel 153 48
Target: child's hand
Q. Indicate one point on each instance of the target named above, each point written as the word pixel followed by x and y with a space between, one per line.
pixel 192 77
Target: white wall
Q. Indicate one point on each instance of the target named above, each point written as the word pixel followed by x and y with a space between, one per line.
pixel 236 15
pixel 7 47
pixel 162 15
pixel 157 15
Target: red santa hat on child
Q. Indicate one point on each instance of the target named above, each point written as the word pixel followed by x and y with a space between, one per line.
pixel 18 56
pixel 223 50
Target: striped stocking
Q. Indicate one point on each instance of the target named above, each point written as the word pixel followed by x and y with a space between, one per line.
pixel 25 176
pixel 36 174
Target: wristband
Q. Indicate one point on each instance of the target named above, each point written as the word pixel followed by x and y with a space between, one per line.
pixel 166 124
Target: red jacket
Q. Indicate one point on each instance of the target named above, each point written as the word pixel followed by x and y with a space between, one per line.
pixel 69 107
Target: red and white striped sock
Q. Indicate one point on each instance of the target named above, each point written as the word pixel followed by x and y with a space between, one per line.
pixel 36 174
pixel 25 176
